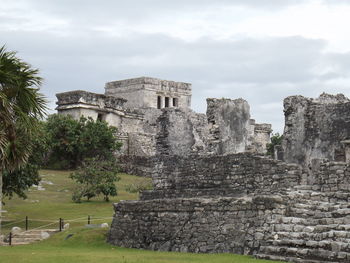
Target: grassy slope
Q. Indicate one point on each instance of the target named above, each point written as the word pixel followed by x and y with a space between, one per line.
pixel 86 245
pixel 55 201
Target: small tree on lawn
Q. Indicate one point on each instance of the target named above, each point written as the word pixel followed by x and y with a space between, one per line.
pixel 95 177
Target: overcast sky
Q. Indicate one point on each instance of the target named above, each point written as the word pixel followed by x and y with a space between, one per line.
pixel 259 50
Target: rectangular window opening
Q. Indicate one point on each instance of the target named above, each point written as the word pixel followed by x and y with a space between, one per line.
pixel 166 102
pixel 159 102
pixel 175 102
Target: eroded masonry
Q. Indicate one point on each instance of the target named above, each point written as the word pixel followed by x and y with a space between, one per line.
pixel 154 118
pixel 214 190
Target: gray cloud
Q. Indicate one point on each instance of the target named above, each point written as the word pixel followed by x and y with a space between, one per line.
pixel 260 70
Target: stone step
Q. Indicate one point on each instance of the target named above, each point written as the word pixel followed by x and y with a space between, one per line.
pixel 327 235
pixel 290 259
pixel 313 228
pixel 316 214
pixel 327 196
pixel 309 244
pixel 20 243
pixel 308 221
pixel 306 253
pixel 30 236
pixel 26 239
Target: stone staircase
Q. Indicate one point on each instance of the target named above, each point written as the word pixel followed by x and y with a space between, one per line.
pixel 30 236
pixel 315 228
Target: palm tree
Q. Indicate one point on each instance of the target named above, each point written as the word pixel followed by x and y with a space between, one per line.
pixel 21 107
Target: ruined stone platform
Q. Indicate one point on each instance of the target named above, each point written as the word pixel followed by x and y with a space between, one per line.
pixel 241 203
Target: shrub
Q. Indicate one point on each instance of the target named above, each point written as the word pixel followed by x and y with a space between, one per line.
pixel 71 141
pixel 95 176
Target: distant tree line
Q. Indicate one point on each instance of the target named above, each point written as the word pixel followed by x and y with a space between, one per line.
pixel 62 142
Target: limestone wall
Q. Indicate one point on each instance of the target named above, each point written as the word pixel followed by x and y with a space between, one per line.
pixel 181 132
pixel 143 92
pixel 225 175
pixel 195 225
pixel 229 124
pixel 261 137
pixel 330 177
pixel 314 128
pixel 186 210
pixel 240 203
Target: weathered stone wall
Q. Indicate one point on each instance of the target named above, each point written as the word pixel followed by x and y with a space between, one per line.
pixel 192 209
pixel 330 177
pixel 181 132
pixel 229 124
pixel 143 92
pixel 145 166
pixel 186 211
pixel 225 175
pixel 236 225
pixel 314 128
pixel 261 137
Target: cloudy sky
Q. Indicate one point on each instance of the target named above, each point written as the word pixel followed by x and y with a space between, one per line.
pixel 259 50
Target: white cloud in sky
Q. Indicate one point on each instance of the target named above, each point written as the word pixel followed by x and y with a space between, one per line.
pixel 260 50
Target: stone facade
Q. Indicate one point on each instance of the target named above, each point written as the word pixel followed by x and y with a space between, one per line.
pixel 154 118
pixel 147 92
pixel 315 128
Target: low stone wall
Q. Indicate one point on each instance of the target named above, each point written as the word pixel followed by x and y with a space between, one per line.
pixel 330 176
pixel 226 175
pixel 196 224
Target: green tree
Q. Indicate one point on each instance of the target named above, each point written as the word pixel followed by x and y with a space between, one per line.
pixel 71 141
pixel 94 177
pixel 276 139
pixel 20 180
pixel 21 107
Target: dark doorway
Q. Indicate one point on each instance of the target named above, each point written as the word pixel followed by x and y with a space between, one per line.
pixel 101 117
pixel 159 102
pixel 166 102
pixel 175 102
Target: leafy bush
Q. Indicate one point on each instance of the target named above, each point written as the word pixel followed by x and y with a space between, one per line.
pixel 18 181
pixel 71 141
pixel 94 177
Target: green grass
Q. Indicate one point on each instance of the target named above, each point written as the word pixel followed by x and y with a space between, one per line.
pixel 55 201
pixel 86 245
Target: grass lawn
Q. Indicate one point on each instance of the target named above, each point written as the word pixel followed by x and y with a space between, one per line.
pixel 86 245
pixel 55 202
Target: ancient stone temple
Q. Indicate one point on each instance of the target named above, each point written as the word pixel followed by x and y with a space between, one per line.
pixel 154 118
pixel 244 203
pixel 213 188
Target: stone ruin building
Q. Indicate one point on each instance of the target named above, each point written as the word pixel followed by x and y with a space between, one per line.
pixel 154 118
pixel 219 193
